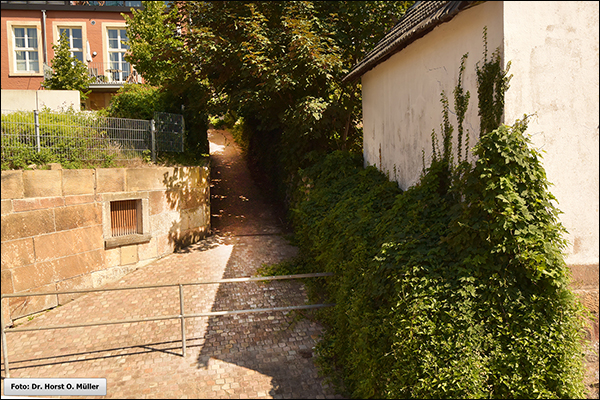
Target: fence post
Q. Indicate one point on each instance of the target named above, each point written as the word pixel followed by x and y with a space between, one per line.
pixel 36 124
pixel 153 135
pixel 182 319
pixel 4 345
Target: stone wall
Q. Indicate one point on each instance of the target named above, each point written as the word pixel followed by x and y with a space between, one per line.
pixel 56 232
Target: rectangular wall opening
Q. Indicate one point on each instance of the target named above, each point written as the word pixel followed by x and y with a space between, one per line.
pixel 124 218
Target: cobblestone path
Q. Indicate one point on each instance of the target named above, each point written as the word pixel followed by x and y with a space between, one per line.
pixel 257 355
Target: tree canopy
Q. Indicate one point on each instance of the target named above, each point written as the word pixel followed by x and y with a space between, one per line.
pixel 279 65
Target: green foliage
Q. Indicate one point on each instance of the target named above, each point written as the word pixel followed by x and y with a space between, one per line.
pixel 187 158
pixel 455 288
pixel 191 101
pixel 492 83
pixel 136 101
pixel 281 268
pixel 518 264
pixel 461 103
pixel 157 50
pixel 230 118
pixel 217 122
pixel 141 101
pixel 241 132
pixel 73 139
pixel 436 296
pixel 68 73
pixel 70 138
pixel 277 65
pixel 153 44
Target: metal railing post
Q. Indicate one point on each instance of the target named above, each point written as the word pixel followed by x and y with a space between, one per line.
pixel 153 136
pixel 36 124
pixel 4 345
pixel 182 319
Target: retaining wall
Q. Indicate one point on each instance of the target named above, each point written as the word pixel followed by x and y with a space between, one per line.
pixel 27 100
pixel 56 231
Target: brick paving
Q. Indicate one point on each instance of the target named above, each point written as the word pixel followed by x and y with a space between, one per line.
pixel 255 355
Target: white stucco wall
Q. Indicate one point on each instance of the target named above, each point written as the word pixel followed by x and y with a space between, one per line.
pixel 401 96
pixel 553 50
pixel 553 47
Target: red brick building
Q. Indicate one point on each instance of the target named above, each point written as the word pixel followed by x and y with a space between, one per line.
pixel 96 32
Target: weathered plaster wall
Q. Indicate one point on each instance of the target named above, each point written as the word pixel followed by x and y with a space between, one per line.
pixel 54 227
pixel 553 50
pixel 401 96
pixel 553 47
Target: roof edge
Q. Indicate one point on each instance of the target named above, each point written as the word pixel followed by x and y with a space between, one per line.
pixel 383 51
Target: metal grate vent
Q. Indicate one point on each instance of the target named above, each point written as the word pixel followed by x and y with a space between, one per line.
pixel 123 217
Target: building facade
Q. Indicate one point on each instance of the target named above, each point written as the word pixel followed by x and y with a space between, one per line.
pixel 97 36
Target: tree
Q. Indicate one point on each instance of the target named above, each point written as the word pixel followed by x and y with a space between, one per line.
pixel 156 48
pixel 154 44
pixel 68 73
pixel 278 65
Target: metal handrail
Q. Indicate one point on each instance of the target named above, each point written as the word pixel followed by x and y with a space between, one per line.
pixel 182 316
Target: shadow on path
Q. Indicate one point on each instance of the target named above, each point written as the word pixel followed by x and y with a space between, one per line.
pixel 256 355
pixel 276 345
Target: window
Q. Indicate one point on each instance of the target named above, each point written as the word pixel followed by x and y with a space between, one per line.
pixel 25 47
pixel 118 68
pixel 75 37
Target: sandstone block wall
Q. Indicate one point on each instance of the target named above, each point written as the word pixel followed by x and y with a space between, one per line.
pixel 55 227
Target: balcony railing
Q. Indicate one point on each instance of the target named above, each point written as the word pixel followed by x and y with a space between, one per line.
pixel 112 73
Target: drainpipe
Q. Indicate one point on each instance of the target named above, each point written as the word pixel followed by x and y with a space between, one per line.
pixel 44 36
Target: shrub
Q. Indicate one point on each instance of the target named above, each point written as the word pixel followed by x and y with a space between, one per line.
pixel 455 288
pixel 442 293
pixel 73 139
pixel 136 101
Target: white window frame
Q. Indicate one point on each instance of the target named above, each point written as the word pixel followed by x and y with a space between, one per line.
pixel 58 25
pixel 12 49
pixel 121 77
pixel 72 48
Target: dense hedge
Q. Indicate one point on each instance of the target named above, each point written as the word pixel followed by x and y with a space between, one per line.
pixel 455 288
